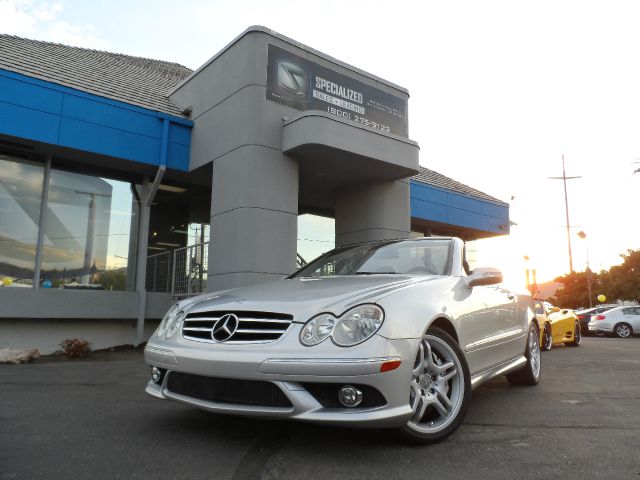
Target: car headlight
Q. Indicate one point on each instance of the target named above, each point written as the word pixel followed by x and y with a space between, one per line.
pixel 317 329
pixel 357 325
pixel 162 328
pixel 170 322
pixel 174 323
pixel 351 328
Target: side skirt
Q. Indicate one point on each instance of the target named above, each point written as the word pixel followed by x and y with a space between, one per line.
pixel 501 369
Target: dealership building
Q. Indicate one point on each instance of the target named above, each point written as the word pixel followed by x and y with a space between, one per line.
pixel 126 182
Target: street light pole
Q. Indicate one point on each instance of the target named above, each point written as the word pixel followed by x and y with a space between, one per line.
pixel 564 179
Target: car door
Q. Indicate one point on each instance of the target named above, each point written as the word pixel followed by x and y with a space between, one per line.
pixel 632 317
pixel 561 325
pixel 489 327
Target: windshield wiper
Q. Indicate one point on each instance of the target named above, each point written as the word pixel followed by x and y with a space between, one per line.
pixel 376 273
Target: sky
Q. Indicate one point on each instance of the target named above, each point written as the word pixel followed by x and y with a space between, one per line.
pixel 500 90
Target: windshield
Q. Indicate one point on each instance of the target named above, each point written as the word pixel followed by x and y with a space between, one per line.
pixel 414 257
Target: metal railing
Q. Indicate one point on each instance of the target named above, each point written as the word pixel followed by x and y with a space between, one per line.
pixel 158 278
pixel 183 271
pixel 190 265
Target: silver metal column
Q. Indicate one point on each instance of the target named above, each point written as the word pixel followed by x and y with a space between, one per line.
pixel 147 194
pixel 42 222
pixel 141 267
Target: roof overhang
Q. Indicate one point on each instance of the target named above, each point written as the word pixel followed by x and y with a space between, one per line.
pixel 446 212
pixel 316 134
pixel 334 153
pixel 34 111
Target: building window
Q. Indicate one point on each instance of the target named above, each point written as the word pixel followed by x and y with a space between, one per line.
pixel 86 232
pixel 20 198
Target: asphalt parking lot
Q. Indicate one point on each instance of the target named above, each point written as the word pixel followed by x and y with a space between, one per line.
pixel 91 419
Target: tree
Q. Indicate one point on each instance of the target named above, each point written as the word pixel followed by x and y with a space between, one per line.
pixel 620 282
pixel 113 279
pixel 574 292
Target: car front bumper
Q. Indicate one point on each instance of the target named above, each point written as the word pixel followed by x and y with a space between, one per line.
pixel 292 368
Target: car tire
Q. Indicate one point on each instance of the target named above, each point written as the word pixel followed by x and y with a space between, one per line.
pixel 547 339
pixel 577 337
pixel 529 375
pixel 439 389
pixel 622 330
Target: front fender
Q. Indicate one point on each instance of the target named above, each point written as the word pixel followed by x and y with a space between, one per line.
pixel 408 313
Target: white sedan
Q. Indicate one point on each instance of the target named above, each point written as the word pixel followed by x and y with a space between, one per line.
pixel 392 333
pixel 622 322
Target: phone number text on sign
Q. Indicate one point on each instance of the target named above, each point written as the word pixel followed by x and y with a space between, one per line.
pixel 360 111
pixel 358 119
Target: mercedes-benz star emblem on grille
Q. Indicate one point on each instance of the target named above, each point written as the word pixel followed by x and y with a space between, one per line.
pixel 224 328
pixel 292 79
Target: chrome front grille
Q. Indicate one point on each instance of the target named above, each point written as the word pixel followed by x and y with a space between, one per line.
pixel 252 327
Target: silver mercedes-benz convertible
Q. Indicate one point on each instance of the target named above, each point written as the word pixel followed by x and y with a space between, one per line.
pixel 392 333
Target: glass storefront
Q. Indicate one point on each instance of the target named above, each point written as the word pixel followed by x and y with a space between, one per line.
pixel 20 198
pixel 87 231
pixel 87 228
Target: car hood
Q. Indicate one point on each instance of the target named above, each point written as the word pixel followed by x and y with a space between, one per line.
pixel 305 297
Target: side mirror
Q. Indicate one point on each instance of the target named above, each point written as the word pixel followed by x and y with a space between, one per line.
pixel 484 276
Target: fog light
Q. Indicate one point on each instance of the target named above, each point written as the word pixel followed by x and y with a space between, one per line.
pixel 350 396
pixel 156 375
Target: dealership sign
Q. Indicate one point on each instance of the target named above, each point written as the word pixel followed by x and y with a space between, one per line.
pixel 305 85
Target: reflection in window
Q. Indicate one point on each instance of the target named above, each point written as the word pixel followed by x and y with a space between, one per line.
pixel 86 241
pixel 20 196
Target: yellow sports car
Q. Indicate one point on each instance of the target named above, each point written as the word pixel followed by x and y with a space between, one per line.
pixel 557 325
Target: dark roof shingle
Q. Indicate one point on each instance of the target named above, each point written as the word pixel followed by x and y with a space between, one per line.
pixel 436 179
pixel 138 81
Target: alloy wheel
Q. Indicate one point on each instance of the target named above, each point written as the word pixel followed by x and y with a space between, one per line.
pixel 547 339
pixel 623 330
pixel 534 352
pixel 437 386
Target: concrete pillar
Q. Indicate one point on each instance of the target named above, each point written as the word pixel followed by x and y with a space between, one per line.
pixel 374 211
pixel 254 217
